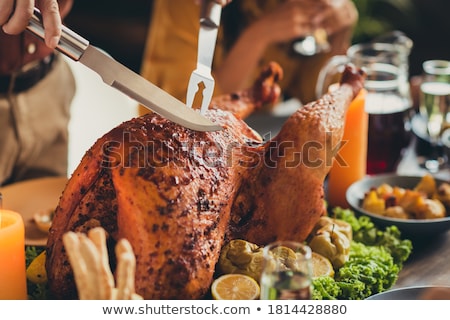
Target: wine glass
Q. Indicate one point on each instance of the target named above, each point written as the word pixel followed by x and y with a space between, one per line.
pixel 435 108
pixel 287 271
pixel 312 44
pixel 317 41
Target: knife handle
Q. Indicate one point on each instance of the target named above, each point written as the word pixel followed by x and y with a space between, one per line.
pixel 70 43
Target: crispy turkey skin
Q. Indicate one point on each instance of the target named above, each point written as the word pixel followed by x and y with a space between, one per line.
pixel 177 195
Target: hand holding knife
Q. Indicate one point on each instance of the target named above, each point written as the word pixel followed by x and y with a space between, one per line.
pixel 15 16
pixel 123 79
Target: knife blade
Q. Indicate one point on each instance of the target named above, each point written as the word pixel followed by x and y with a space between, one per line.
pixel 123 79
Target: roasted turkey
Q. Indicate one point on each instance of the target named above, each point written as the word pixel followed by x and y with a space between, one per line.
pixel 178 195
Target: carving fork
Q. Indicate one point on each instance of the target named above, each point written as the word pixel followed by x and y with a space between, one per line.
pixel 209 24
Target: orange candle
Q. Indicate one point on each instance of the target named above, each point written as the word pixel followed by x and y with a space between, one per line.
pixel 353 152
pixel 13 281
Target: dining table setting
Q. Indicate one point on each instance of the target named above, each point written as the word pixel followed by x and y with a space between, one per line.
pixel 426 266
pixel 175 203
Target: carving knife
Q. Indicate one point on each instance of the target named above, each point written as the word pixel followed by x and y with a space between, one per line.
pixel 123 79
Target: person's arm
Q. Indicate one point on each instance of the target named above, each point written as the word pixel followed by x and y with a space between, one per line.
pixel 15 15
pixel 339 20
pixel 291 20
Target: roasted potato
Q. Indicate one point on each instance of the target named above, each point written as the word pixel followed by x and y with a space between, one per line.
pixel 427 185
pixel 443 195
pixel 373 203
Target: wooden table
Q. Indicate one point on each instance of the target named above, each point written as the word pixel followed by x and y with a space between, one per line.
pixel 429 263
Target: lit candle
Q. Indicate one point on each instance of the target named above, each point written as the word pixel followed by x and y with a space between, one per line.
pixel 13 282
pixel 353 152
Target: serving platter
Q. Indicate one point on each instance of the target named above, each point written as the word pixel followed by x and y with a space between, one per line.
pixel 28 197
pixel 410 293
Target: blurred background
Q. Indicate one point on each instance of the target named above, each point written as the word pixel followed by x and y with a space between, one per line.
pixel 120 27
pixel 116 26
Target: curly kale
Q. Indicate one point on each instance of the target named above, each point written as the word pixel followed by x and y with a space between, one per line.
pixel 369 270
pixel 325 288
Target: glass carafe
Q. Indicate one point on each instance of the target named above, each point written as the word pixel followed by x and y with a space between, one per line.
pixel 388 100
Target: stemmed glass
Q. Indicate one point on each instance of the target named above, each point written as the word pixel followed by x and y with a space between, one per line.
pixel 287 271
pixel 317 41
pixel 312 44
pixel 435 107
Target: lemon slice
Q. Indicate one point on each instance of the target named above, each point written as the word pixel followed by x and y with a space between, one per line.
pixel 235 287
pixel 321 266
pixel 36 272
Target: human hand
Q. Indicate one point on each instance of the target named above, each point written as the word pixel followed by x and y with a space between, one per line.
pixel 290 20
pixel 15 15
pixel 336 16
pixel 337 21
pixel 221 2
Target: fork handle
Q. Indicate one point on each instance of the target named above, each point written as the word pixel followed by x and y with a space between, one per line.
pixel 210 14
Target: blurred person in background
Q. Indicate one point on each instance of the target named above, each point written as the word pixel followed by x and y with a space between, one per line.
pixel 36 91
pixel 252 33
